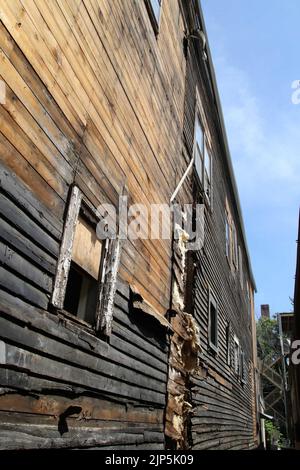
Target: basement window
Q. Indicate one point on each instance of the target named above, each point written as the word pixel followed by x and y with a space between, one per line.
pixel 154 11
pixel 213 323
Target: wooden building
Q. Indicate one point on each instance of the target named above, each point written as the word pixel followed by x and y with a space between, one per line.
pixel 294 363
pixel 118 343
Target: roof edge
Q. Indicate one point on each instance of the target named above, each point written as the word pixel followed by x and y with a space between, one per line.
pixel 226 145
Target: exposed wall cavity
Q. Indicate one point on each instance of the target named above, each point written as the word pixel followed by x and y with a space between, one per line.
pixel 184 347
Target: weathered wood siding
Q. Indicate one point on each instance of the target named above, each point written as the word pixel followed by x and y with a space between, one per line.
pixel 60 384
pixel 224 414
pixel 92 98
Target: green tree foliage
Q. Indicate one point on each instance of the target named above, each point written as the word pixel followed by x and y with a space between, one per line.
pixel 274 435
pixel 268 341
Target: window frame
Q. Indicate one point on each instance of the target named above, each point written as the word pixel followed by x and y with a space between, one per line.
pixel 151 12
pixel 207 153
pixel 108 268
pixel 196 149
pixel 228 236
pixel 237 359
pixel 241 269
pixel 228 344
pixel 213 302
pixel 248 299
pixel 234 247
pixel 242 367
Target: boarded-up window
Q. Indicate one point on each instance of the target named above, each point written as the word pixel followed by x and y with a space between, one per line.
pixel 87 248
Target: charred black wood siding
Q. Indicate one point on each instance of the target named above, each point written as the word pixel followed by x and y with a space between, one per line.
pixel 118 388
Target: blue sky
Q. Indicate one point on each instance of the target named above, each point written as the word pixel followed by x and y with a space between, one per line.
pixel 255 48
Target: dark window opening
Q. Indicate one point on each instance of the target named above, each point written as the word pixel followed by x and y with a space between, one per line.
pixel 237 358
pixel 243 367
pixel 81 294
pixel 228 345
pixel 83 280
pixel 213 324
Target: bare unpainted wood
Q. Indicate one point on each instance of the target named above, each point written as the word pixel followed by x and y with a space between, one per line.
pixel 64 260
pixel 141 304
pixel 108 285
pixel 87 248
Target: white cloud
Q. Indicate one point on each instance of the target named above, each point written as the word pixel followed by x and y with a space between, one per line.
pixel 265 156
